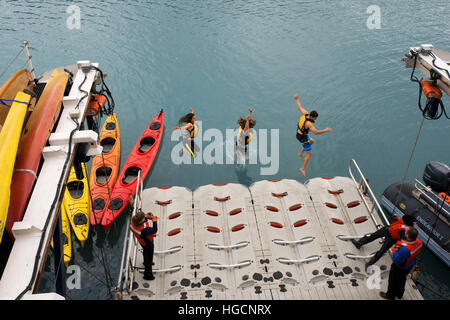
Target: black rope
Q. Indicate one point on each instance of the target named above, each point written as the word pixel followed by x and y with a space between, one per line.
pixel 431 109
pixel 47 222
pixel 12 61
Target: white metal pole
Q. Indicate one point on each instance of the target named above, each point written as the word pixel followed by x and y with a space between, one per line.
pixel 30 65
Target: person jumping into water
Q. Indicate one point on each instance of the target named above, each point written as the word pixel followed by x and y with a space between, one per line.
pixel 244 134
pixel 306 124
pixel 191 130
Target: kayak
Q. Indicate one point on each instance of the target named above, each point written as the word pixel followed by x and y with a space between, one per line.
pixel 20 81
pixel 76 203
pixel 66 236
pixel 34 137
pixel 141 159
pixel 9 141
pixel 104 169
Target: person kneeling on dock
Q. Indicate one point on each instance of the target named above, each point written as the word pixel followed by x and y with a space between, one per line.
pixel 403 260
pixel 144 234
pixel 392 233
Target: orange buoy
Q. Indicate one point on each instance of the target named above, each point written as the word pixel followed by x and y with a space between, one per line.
pixel 274 180
pixel 336 191
pixel 279 195
pixel 174 232
pixel 360 219
pixel 300 223
pixel 174 215
pixel 163 203
pixel 295 207
pixel 165 188
pixel 276 224
pixel 430 90
pixel 327 178
pixel 213 229
pixel 353 204
pixel 270 208
pixel 222 199
pixel 220 184
pixel 331 205
pixel 211 213
pixel 97 103
pixel 238 227
pixel 337 221
pixel 235 211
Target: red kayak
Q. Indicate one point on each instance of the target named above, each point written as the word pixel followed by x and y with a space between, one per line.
pixel 140 159
pixel 32 142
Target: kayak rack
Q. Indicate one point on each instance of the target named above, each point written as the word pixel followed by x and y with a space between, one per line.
pixel 34 233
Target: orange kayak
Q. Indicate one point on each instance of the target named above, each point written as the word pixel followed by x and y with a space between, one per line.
pixel 20 81
pixel 34 137
pixel 104 169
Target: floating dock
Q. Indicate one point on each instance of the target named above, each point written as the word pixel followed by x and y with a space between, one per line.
pixel 276 240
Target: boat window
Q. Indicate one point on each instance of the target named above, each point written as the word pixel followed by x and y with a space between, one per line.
pixel 130 175
pixel 102 175
pixel 76 189
pixel 108 144
pixel 146 144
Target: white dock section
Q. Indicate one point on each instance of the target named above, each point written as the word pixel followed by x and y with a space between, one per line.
pixel 274 240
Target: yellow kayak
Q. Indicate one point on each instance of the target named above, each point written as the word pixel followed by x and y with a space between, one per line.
pixel 76 201
pixel 66 236
pixel 9 141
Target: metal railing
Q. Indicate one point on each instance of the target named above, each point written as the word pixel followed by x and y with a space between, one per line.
pixel 363 183
pixel 126 274
pixel 435 204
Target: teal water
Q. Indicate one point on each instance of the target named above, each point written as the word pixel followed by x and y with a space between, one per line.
pixel 220 57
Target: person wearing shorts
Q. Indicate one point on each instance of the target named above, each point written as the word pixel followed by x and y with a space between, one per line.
pixel 304 126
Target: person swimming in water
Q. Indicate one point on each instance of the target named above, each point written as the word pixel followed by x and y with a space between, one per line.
pixel 304 126
pixel 191 130
pixel 245 134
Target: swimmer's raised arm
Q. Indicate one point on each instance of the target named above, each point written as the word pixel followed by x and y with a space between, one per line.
pixel 299 106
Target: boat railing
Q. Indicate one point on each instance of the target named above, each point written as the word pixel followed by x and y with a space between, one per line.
pixel 130 247
pixel 364 190
pixel 428 189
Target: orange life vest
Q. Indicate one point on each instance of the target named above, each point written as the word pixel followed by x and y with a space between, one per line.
pixel 413 247
pixel 137 232
pixel 444 196
pixel 395 227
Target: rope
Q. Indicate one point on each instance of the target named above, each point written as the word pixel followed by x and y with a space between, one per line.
pixel 2 102
pixel 47 222
pixel 12 61
pixel 409 162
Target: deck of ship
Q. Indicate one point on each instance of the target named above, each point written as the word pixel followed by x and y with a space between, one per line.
pixel 276 240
